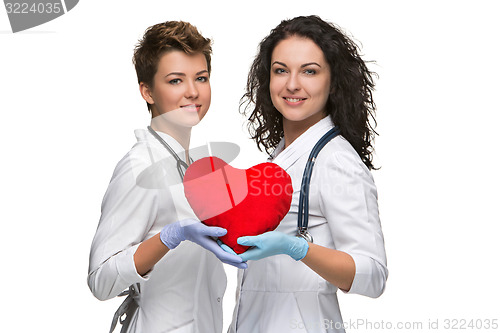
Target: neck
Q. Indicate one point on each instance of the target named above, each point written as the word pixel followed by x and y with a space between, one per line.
pixel 180 134
pixel 293 129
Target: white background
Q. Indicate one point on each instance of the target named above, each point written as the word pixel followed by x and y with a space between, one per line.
pixel 69 103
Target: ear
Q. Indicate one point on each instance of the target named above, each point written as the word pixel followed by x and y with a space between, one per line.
pixel 146 93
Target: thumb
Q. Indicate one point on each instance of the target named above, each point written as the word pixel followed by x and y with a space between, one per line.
pixel 216 231
pixel 247 240
pixel 251 254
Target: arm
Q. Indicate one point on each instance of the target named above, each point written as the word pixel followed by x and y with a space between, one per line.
pixel 358 264
pixel 119 255
pixel 149 253
pixel 152 250
pixel 127 213
pixel 335 266
pixel 348 200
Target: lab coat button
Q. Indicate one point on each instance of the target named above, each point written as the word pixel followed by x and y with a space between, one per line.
pixel 218 299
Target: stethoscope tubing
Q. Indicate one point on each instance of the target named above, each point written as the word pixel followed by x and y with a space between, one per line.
pixel 303 214
pixel 180 163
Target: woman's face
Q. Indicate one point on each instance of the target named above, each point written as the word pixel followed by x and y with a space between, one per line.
pixel 181 92
pixel 300 80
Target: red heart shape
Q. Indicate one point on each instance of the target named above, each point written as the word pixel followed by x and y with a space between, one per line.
pixel 245 202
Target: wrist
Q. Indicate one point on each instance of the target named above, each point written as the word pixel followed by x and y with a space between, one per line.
pixel 172 235
pixel 299 248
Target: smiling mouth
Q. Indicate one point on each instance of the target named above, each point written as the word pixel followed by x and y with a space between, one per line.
pixel 191 107
pixel 293 100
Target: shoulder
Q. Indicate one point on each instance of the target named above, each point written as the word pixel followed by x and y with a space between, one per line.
pixel 145 159
pixel 341 174
pixel 135 160
pixel 340 155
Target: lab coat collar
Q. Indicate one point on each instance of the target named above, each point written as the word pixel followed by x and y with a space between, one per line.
pixel 302 145
pixel 143 135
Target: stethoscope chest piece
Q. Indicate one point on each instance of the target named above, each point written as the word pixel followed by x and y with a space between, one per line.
pixel 306 235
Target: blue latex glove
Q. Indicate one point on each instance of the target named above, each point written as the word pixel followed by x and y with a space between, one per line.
pixel 193 230
pixel 225 247
pixel 272 243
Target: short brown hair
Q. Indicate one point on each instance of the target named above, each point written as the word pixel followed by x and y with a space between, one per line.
pixel 164 37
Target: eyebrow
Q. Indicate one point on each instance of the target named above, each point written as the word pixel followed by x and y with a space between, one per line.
pixel 302 66
pixel 184 74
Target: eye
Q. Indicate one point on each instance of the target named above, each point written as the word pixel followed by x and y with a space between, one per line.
pixel 310 71
pixel 175 81
pixel 202 79
pixel 279 71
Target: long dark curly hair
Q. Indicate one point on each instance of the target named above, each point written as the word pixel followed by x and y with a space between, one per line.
pixel 350 104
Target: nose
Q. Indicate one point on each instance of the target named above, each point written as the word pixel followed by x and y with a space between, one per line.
pixel 191 90
pixel 293 83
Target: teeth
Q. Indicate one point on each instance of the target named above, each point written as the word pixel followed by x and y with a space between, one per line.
pixel 294 100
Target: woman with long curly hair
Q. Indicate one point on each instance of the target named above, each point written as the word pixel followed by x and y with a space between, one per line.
pixel 308 78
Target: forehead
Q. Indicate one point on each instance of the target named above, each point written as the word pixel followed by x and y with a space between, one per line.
pixel 178 61
pixel 297 50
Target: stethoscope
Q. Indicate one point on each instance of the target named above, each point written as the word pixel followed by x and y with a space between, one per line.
pixel 181 165
pixel 303 218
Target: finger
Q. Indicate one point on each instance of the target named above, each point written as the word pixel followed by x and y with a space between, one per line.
pixel 225 256
pixel 225 247
pixel 251 254
pixel 248 240
pixel 212 245
pixel 221 254
pixel 242 265
pixel 232 260
pixel 215 231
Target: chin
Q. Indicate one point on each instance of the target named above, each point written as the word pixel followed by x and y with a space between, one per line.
pixel 191 120
pixel 191 123
pixel 294 117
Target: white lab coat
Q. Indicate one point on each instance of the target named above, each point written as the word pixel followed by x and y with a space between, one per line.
pixel 279 294
pixel 183 292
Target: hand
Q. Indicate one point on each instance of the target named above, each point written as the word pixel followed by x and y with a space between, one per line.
pixel 225 247
pixel 272 243
pixel 193 230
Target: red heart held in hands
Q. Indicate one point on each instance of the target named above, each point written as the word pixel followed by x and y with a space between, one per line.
pixel 245 202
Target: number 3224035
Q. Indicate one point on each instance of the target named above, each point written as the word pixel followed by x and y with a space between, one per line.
pixel 25 8
pixel 477 324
